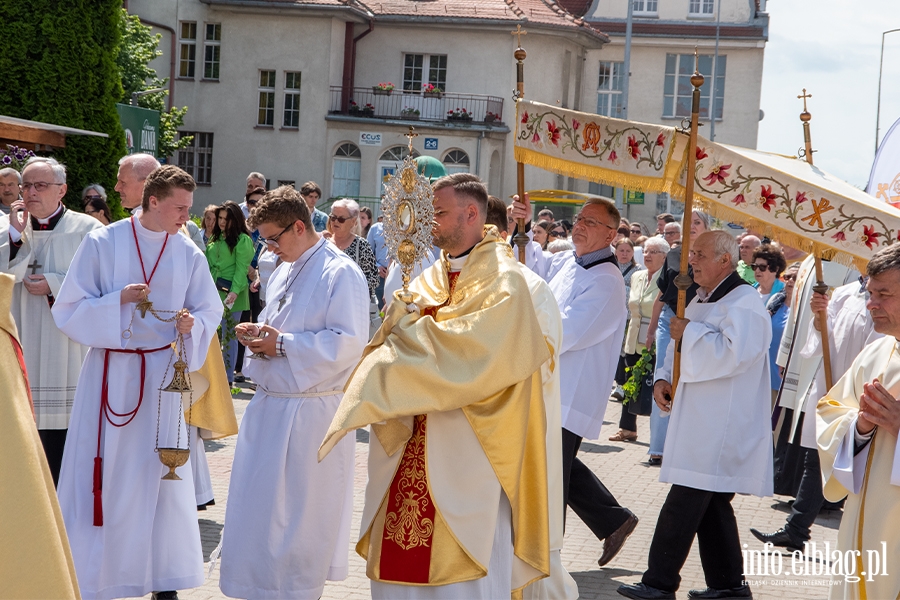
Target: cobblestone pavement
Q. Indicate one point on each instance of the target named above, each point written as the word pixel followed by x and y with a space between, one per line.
pixel 623 469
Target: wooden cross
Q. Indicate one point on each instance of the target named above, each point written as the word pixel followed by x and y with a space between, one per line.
pixel 519 32
pixel 412 134
pixel 34 266
pixel 804 97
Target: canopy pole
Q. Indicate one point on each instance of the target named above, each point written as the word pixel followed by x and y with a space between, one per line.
pixel 521 238
pixel 683 281
pixel 820 287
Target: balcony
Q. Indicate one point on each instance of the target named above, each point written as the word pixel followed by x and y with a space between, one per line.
pixel 364 102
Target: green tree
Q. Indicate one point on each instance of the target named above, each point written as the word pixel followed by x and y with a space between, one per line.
pixel 58 58
pixel 139 47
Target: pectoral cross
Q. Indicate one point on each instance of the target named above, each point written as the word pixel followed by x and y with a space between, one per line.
pixel 804 97
pixel 519 32
pixel 412 134
pixel 281 302
pixel 34 266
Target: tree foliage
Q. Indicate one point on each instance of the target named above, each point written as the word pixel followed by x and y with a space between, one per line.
pixel 58 58
pixel 139 47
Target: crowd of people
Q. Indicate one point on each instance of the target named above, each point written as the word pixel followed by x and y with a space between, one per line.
pixel 301 304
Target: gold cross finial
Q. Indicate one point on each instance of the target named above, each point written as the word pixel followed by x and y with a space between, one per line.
pixel 412 134
pixel 804 97
pixel 519 32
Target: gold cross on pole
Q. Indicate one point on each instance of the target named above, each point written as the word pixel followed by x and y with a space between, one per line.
pixel 519 32
pixel 804 97
pixel 412 134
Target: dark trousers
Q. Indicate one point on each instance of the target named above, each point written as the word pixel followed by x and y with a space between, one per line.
pixel 586 494
pixel 54 442
pixel 686 513
pixel 809 498
pixel 627 421
pixel 248 316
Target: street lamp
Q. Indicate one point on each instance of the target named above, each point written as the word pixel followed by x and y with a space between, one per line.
pixel 880 68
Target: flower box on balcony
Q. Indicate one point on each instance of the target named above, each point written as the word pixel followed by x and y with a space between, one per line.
pixel 383 89
pixel 490 118
pixel 433 94
pixel 460 114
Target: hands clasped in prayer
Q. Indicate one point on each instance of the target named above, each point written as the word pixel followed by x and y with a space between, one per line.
pixel 877 408
pixel 260 339
pixel 136 292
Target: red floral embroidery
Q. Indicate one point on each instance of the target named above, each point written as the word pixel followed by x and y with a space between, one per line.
pixel 766 198
pixel 869 237
pixel 536 139
pixel 525 117
pixel 718 174
pixel 553 133
pixel 801 198
pixel 575 124
pixel 739 199
pixel 661 140
pixel 612 156
pixel 633 149
pixel 701 153
pixel 839 236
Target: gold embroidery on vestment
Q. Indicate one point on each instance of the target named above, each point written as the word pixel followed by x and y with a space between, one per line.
pixel 407 528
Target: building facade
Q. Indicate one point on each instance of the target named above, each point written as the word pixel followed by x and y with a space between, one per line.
pixel 291 88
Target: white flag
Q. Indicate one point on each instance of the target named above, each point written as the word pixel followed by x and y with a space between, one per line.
pixel 884 180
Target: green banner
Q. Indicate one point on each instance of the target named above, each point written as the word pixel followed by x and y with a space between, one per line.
pixel 141 127
pixel 633 197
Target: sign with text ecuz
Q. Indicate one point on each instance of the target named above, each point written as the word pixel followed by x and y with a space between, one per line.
pixel 369 139
pixel 141 127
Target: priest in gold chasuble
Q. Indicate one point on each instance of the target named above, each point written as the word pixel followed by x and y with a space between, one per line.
pixel 456 502
pixel 857 425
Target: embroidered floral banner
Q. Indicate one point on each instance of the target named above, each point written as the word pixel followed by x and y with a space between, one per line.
pixel 784 197
pixel 612 151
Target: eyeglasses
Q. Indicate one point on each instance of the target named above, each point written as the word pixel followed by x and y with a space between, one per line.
pixel 649 252
pixel 671 233
pixel 588 222
pixel 86 198
pixel 340 220
pixel 39 186
pixel 635 231
pixel 557 233
pixel 251 202
pixel 273 241
pixel 757 267
pixel 789 277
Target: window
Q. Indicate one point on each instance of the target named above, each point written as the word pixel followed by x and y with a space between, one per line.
pixel 196 158
pixel 677 89
pixel 390 161
pixel 211 48
pixel 188 53
pixel 291 99
pixel 414 69
pixel 700 8
pixel 266 116
pixel 645 7
pixel 456 161
pixel 345 172
pixel 609 90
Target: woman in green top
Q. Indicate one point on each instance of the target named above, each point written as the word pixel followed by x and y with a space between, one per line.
pixel 229 254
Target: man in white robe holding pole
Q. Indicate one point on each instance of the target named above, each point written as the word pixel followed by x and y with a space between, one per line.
pixel 43 238
pixel 720 438
pixel 131 533
pixel 315 327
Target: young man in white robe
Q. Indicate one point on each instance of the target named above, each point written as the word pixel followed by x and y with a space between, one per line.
pixel 590 292
pixel 131 533
pixel 287 524
pixel 857 424
pixel 720 439
pixel 850 329
pixel 42 239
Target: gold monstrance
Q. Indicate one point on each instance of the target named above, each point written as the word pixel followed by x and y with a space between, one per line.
pixel 408 215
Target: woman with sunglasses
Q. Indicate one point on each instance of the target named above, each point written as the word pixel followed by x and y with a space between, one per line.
pixel 343 223
pixel 229 254
pixel 97 208
pixel 94 191
pixel 768 264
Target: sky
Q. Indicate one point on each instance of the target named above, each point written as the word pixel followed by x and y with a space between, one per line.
pixel 831 48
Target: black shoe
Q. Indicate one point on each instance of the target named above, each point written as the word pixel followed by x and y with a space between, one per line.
pixel 640 591
pixel 239 378
pixel 173 595
pixel 713 594
pixel 778 538
pixel 655 461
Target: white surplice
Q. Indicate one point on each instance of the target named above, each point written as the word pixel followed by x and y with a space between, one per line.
pixel 150 539
pixel 560 585
pixel 53 360
pixel 850 329
pixel 287 524
pixel 592 303
pixel 800 371
pixel 720 436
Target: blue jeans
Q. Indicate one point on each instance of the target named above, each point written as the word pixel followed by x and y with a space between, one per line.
pixel 229 351
pixel 659 425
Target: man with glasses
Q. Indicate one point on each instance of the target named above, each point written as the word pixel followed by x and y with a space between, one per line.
pixel 10 180
pixel 289 515
pixel 672 234
pixel 42 241
pixel 590 291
